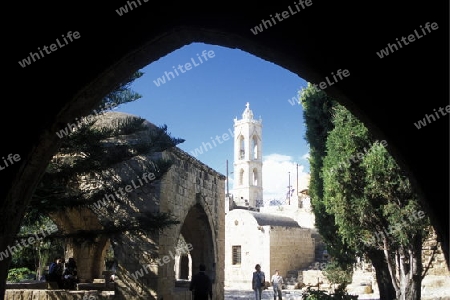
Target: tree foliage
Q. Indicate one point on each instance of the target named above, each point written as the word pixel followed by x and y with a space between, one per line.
pixel 38 254
pixel 336 275
pixel 363 202
pixel 317 114
pixel 373 201
pixel 92 150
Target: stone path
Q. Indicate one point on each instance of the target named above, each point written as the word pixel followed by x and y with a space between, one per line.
pixel 431 294
pixel 266 294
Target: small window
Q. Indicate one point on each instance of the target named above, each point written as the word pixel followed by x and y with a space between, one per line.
pixel 236 259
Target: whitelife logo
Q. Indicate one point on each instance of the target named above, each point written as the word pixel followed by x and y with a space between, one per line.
pixel 28 242
pixel 185 249
pixel 280 17
pixel 342 74
pixel 34 56
pixel 72 127
pixel 131 5
pixel 198 151
pixel 394 229
pixel 11 158
pixel 430 118
pixel 355 158
pixel 411 38
pixel 147 177
pixel 187 66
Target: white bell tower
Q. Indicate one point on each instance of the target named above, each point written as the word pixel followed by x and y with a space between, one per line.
pixel 247 186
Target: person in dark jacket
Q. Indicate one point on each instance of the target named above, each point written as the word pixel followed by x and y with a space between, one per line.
pixel 70 275
pixel 201 285
pixel 55 272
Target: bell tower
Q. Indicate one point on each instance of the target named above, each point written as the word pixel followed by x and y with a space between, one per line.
pixel 247 186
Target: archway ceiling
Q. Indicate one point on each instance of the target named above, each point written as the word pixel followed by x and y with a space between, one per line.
pixel 388 94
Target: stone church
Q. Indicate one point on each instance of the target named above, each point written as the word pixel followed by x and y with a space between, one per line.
pixel 254 233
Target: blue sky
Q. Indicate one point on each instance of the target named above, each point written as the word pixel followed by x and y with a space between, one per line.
pixel 202 102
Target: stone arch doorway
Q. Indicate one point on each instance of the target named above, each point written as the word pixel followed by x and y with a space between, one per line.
pixel 196 230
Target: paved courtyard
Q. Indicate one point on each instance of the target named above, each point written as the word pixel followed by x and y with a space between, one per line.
pixel 266 294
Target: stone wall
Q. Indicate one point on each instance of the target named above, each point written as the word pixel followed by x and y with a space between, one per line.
pixel 433 256
pixel 19 294
pixel 313 278
pixel 290 249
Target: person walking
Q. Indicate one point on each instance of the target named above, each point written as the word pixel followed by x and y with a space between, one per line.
pixel 277 282
pixel 258 282
pixel 201 285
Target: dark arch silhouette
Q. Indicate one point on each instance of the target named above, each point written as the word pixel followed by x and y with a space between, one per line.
pixel 197 232
pixel 387 94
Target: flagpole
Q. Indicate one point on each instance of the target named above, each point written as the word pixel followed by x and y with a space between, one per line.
pixel 227 180
pixel 289 189
pixel 297 181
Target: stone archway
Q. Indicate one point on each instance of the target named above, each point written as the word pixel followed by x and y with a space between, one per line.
pixel 88 252
pixel 105 55
pixel 194 193
pixel 197 233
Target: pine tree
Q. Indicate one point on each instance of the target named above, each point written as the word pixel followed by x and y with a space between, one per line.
pixel 91 150
pixel 317 113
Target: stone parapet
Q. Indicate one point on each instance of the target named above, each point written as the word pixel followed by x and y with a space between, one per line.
pixel 15 294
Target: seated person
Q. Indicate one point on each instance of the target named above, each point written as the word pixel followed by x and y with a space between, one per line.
pixel 70 275
pixel 55 272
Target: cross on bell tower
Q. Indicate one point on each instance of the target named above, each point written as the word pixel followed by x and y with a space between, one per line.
pixel 247 187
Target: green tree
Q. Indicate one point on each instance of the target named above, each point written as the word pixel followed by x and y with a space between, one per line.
pixel 317 115
pixel 336 275
pixel 371 199
pixel 38 254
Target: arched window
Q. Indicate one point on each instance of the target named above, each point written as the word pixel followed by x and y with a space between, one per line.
pixel 241 147
pixel 255 177
pixel 241 177
pixel 255 147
